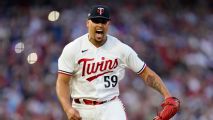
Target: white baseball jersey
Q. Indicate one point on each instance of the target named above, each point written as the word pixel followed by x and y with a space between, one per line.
pixel 96 71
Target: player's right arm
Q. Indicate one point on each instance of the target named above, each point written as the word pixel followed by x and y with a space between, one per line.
pixel 63 93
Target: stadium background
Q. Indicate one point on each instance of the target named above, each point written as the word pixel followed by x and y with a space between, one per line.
pixel 174 37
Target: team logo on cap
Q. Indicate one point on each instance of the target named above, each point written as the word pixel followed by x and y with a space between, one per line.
pixel 100 10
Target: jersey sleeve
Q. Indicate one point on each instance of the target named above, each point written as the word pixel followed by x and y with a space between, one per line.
pixel 66 62
pixel 133 61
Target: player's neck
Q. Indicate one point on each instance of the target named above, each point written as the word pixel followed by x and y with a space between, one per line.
pixel 98 43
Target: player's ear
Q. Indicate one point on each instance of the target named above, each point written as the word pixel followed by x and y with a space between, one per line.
pixel 87 23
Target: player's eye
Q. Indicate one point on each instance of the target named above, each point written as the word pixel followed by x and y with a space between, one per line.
pixel 99 20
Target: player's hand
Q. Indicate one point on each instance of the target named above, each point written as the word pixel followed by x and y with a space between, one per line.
pixel 73 114
pixel 170 107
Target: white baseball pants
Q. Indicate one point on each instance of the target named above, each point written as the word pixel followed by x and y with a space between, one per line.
pixel 112 110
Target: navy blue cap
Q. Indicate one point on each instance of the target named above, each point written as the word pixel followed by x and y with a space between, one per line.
pixel 99 11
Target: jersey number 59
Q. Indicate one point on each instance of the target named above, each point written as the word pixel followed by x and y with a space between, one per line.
pixel 110 81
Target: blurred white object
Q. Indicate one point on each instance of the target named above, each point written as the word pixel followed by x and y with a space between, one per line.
pixel 32 58
pixel 53 16
pixel 19 47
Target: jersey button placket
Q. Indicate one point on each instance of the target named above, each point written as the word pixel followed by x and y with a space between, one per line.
pixel 98 59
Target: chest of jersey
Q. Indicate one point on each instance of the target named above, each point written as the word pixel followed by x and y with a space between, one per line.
pixel 92 64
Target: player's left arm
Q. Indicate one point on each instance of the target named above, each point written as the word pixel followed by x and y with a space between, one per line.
pixel 170 105
pixel 153 80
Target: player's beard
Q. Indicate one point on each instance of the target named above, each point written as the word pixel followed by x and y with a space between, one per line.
pixel 99 37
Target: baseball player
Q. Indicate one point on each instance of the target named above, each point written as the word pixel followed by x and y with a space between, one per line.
pixel 89 70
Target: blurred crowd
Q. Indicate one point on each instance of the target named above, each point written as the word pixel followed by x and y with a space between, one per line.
pixel 175 39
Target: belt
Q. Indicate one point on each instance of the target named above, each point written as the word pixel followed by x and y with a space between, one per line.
pixel 91 102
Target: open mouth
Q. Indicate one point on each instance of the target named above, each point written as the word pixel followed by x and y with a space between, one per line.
pixel 99 34
pixel 99 31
